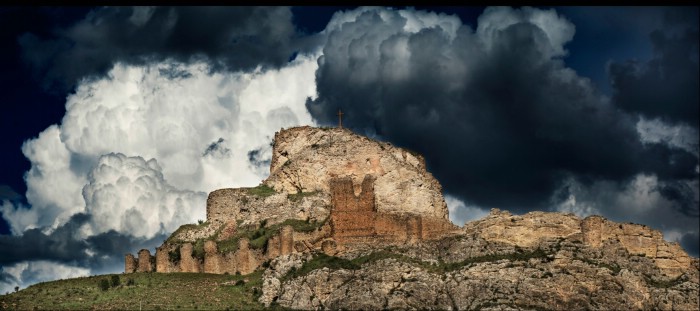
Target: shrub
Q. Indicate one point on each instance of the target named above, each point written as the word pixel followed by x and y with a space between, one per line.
pixel 174 255
pixel 198 250
pixel 320 261
pixel 104 284
pixel 130 282
pixel 261 191
pixel 115 281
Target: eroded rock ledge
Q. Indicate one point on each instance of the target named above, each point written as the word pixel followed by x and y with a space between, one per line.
pixel 346 222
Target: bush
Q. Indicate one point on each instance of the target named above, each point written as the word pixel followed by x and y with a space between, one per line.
pixel 130 282
pixel 261 191
pixel 115 281
pixel 174 255
pixel 104 284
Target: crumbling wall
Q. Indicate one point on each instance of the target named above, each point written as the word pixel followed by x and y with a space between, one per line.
pixel 187 262
pixel 352 216
pixel 223 205
pixel 213 261
pixel 144 262
pixel 163 262
pixel 245 259
pixel 229 206
pixel 130 263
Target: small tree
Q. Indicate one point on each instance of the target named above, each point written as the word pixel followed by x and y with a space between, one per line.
pixel 115 280
pixel 104 284
pixel 16 289
pixel 130 282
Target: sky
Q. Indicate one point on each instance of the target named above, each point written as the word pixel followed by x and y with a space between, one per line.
pixel 118 121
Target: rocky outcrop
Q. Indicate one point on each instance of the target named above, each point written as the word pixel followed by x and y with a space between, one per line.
pixel 532 229
pixel 533 261
pixel 346 222
pixel 305 159
pixel 356 190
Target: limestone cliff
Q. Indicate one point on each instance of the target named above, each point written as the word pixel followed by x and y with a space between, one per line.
pixel 329 190
pixel 305 159
pixel 537 261
pixel 346 222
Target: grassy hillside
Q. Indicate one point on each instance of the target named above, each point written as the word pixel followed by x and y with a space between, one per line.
pixel 146 291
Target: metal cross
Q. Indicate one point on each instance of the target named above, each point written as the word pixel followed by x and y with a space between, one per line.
pixel 340 118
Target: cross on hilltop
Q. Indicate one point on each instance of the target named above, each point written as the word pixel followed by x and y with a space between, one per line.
pixel 340 118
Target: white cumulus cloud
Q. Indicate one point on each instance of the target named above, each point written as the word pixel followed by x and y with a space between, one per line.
pixel 461 213
pixel 169 112
pixel 130 195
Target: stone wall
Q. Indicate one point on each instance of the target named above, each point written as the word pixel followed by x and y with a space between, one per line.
pixel 187 262
pixel 242 205
pixel 163 263
pixel 145 263
pixel 130 263
pixel 354 217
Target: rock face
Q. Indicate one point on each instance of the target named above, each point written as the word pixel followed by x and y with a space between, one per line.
pixel 346 222
pixel 535 261
pixel 305 159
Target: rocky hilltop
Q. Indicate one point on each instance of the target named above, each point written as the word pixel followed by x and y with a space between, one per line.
pixel 346 222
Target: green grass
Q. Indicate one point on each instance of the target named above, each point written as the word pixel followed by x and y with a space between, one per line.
pixel 322 260
pixel 151 291
pixel 261 191
pixel 296 197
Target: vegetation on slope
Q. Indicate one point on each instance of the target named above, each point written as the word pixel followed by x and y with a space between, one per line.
pixel 261 191
pixel 146 291
pixel 324 261
pixel 258 237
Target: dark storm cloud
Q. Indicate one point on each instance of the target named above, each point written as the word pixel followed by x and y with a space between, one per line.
pixel 690 243
pixel 498 116
pixel 230 38
pixel 33 244
pixel 99 252
pixel 667 85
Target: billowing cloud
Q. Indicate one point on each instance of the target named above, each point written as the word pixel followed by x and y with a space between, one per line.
pixel 137 153
pixel 130 195
pixel 504 123
pixel 461 213
pixel 228 38
pixel 670 206
pixel 667 85
pixel 145 112
pixel 499 117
